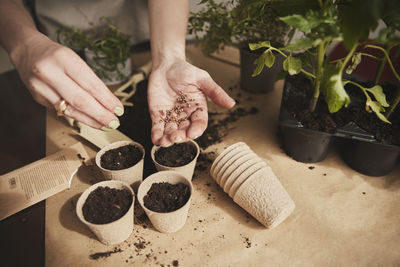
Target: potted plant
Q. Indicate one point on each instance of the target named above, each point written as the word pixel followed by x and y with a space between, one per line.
pixel 236 23
pixel 165 197
pixel 107 51
pixel 322 23
pixel 180 157
pixel 122 160
pixel 107 209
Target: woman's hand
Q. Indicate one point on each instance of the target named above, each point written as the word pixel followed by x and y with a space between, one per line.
pixel 178 104
pixel 53 72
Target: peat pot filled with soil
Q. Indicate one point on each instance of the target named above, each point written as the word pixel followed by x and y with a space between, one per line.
pixel 122 160
pixel 165 197
pixel 180 157
pixel 367 144
pixel 107 209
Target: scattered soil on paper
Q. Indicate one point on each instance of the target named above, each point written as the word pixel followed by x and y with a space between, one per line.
pixel 98 255
pixel 121 158
pixel 219 125
pixel 105 205
pixel 166 197
pixel 176 155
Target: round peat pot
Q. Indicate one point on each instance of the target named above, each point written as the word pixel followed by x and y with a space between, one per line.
pixel 370 158
pixel 186 170
pixel 165 222
pixel 132 175
pixel 262 83
pixel 305 145
pixel 113 232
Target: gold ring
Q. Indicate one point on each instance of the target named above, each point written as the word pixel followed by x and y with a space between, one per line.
pixel 60 107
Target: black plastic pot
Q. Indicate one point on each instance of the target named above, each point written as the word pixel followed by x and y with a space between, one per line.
pixel 262 83
pixel 358 148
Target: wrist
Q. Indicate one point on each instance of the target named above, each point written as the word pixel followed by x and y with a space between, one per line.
pixel 25 40
pixel 166 57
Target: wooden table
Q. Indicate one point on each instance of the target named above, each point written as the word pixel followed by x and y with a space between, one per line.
pixel 342 218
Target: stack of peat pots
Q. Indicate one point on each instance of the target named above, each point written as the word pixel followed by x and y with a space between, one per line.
pixel 252 185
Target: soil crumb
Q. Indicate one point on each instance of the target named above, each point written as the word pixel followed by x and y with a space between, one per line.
pixel 106 254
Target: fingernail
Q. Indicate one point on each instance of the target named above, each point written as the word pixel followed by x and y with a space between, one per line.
pixel 167 145
pixel 106 129
pixel 113 124
pixel 118 111
pixel 195 137
pixel 179 140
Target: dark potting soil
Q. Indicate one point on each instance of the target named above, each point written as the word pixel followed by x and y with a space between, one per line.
pixel 121 158
pixel 166 197
pixel 176 155
pixel 297 104
pixel 105 205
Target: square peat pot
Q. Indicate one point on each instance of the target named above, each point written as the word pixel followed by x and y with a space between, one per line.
pixel 358 148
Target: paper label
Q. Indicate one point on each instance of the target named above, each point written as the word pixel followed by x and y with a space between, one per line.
pixel 39 180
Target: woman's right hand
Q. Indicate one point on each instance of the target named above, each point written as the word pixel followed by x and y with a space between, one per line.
pixel 53 72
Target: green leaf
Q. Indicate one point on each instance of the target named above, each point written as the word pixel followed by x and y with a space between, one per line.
pixel 377 108
pixel 269 58
pixel 379 95
pixel 299 22
pixel 255 46
pixel 303 44
pixel 358 18
pixel 333 89
pixel 292 65
pixel 260 65
pixel 356 60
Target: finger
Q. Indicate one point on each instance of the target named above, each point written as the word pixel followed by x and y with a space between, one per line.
pixel 157 132
pixel 215 92
pixel 81 100
pixel 165 141
pixel 84 76
pixel 42 93
pixel 199 120
pixel 81 117
pixel 170 127
pixel 178 136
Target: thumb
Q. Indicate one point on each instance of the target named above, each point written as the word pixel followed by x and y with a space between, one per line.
pixel 215 92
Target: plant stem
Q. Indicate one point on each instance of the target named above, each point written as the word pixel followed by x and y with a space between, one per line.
pixel 320 62
pixel 302 70
pixel 394 103
pixel 388 60
pixel 381 66
pixel 347 58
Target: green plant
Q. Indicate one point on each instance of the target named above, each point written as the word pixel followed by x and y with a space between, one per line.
pixel 111 48
pixel 236 22
pixel 323 22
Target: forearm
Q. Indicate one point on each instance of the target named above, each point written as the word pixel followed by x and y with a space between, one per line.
pixel 168 22
pixel 16 25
